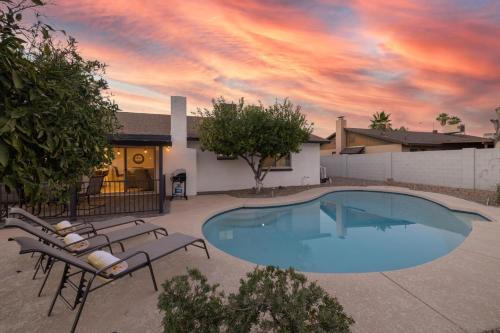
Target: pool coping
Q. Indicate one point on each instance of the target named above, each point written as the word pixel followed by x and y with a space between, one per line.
pixel 475 208
pixel 376 189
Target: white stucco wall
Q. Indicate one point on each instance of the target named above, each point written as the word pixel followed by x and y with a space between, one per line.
pixel 221 175
pixel 443 168
pixel 181 159
pixel 487 167
pixel 372 165
pixel 466 168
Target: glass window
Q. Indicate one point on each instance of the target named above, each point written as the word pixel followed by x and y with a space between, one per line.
pixel 284 162
pixel 223 157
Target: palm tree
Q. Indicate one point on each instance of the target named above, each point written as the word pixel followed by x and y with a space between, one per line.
pixel 454 120
pixel 443 118
pixel 381 121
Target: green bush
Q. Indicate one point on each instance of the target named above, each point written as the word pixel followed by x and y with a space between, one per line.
pixel 268 300
pixel 498 195
pixel 191 304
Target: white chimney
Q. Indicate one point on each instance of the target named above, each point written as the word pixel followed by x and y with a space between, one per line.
pixel 340 135
pixel 178 122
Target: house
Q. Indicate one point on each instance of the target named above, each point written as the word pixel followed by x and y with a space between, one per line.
pixel 150 145
pixel 348 140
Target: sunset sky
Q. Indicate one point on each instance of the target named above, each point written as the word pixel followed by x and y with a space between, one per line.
pixel 413 59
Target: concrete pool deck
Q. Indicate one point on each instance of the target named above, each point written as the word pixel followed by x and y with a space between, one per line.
pixel 459 292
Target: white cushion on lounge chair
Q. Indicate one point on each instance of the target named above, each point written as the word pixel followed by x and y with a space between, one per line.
pixel 73 239
pixel 63 225
pixel 101 259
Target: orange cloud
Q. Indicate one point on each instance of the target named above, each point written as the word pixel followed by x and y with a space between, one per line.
pixel 412 59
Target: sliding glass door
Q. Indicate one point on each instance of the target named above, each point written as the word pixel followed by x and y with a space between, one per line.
pixel 133 169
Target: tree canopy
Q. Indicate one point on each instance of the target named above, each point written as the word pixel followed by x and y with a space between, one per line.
pixel 445 118
pixel 381 121
pixel 55 115
pixel 253 132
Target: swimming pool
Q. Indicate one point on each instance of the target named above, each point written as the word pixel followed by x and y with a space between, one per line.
pixel 342 232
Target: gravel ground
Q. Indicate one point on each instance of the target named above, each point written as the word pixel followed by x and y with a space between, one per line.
pixel 480 196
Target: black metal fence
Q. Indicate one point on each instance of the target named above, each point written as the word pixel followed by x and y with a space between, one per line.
pixel 95 197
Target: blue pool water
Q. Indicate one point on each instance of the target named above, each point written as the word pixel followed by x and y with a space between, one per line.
pixel 341 232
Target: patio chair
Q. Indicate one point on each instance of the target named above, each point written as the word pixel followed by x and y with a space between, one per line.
pixel 8 199
pixel 137 258
pixel 94 242
pixel 93 188
pixel 82 227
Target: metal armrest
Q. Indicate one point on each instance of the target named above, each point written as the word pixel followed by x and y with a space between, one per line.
pixel 82 227
pixel 77 227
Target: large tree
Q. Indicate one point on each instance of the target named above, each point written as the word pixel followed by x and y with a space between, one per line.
pixel 55 115
pixel 253 132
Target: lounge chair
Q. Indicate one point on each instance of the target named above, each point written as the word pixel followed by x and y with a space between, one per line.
pixel 84 227
pixel 94 242
pixel 137 258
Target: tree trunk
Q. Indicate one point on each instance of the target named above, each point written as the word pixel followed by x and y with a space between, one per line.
pixel 257 172
pixel 258 186
pixel 258 180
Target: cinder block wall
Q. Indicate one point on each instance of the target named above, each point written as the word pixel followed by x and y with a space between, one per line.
pixel 466 168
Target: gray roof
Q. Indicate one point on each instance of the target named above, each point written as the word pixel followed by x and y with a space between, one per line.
pixel 353 150
pixel 159 124
pixel 411 138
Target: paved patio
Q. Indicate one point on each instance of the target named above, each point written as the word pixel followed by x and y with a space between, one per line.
pixel 456 293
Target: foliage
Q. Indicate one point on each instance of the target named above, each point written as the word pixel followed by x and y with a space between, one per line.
pixel 454 120
pixel 498 195
pixel 496 126
pixel 54 117
pixel 191 304
pixel 268 300
pixel 443 118
pixel 253 132
pixel 381 121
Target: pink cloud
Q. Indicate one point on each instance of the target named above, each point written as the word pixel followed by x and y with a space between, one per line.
pixel 413 59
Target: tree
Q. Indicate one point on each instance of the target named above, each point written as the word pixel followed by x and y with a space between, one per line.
pixel 253 132
pixel 454 120
pixel 496 126
pixel 381 121
pixel 55 116
pixel 268 300
pixel 443 118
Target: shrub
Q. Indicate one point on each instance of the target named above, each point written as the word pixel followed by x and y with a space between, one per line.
pixel 268 300
pixel 498 195
pixel 191 304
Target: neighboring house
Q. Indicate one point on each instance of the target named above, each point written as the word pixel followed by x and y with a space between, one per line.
pixel 364 141
pixel 150 145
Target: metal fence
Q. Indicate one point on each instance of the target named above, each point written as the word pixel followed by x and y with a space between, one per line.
pixel 93 198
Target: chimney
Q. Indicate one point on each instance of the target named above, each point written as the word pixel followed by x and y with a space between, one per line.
pixel 178 122
pixel 340 135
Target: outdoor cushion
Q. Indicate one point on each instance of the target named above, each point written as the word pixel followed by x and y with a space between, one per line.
pixel 63 227
pixel 102 259
pixel 76 242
